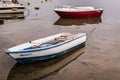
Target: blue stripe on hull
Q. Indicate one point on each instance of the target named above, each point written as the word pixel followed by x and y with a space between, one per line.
pixel 26 60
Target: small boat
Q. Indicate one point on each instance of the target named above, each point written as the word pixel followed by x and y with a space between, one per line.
pixel 46 48
pixel 65 11
pixel 11 6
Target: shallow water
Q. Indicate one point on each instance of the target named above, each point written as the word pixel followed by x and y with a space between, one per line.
pixel 100 60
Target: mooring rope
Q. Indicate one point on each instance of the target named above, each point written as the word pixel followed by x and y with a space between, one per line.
pixel 91 32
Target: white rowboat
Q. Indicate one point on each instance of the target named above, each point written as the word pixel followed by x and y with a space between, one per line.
pixel 48 47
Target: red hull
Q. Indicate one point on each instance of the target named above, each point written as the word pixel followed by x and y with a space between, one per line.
pixel 84 14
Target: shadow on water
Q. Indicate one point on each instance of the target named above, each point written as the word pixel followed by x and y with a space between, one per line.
pixel 38 70
pixel 1 21
pixel 70 22
pixel 8 16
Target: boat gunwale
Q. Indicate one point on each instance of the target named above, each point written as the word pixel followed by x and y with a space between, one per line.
pixel 96 10
pixel 45 48
pixel 76 8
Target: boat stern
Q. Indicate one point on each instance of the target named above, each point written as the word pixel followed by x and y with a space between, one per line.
pixel 7 52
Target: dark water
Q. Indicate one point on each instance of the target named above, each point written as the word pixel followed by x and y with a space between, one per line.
pixel 100 60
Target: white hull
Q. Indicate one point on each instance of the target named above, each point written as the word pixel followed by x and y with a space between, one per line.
pixel 11 11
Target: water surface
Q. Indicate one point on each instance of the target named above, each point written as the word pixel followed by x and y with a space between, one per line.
pixel 100 60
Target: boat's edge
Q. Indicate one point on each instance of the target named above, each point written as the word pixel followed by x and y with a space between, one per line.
pixel 11 50
pixel 41 49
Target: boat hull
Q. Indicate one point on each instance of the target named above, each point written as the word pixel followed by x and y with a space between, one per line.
pixel 80 14
pixel 6 10
pixel 40 58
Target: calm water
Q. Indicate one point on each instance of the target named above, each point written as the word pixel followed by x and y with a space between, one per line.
pixel 33 24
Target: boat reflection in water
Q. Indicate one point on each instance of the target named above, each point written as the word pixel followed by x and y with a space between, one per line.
pixel 12 16
pixel 1 21
pixel 82 21
pixel 41 69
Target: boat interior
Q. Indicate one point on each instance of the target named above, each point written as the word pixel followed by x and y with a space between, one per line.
pixel 54 41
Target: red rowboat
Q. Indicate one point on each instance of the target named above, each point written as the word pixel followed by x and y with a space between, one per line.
pixel 78 12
